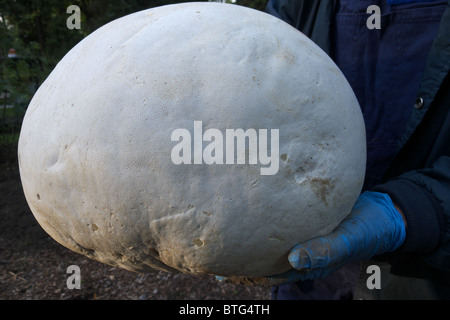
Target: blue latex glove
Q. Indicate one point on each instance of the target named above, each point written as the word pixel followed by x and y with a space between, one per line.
pixel 373 227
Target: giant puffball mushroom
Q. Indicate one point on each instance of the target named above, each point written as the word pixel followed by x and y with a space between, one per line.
pixel 204 138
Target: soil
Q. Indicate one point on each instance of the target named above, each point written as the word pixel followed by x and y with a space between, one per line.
pixel 34 266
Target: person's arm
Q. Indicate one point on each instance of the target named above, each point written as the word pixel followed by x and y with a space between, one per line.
pixel 424 197
pixel 373 227
pixel 403 215
pixel 416 224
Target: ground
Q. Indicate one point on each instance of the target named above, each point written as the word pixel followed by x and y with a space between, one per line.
pixel 34 266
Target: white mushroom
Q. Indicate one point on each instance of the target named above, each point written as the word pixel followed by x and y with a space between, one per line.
pixel 96 144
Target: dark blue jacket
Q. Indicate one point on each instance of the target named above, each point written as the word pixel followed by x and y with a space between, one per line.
pixel 417 174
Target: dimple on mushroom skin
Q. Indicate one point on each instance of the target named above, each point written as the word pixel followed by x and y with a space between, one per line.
pixel 95 146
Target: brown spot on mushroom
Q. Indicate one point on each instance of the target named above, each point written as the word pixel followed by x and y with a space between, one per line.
pixel 322 187
pixel 207 213
pixel 198 242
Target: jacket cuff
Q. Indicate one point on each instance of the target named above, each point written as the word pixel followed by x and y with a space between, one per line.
pixel 422 211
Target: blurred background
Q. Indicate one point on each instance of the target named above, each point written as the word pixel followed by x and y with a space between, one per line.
pixel 34 36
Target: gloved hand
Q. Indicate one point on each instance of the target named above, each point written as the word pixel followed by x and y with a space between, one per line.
pixel 373 227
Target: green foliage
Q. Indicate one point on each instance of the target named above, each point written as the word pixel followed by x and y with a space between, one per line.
pixel 37 30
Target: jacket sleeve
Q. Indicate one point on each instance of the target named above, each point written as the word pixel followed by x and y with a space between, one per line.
pixel 312 18
pixel 283 9
pixel 424 197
